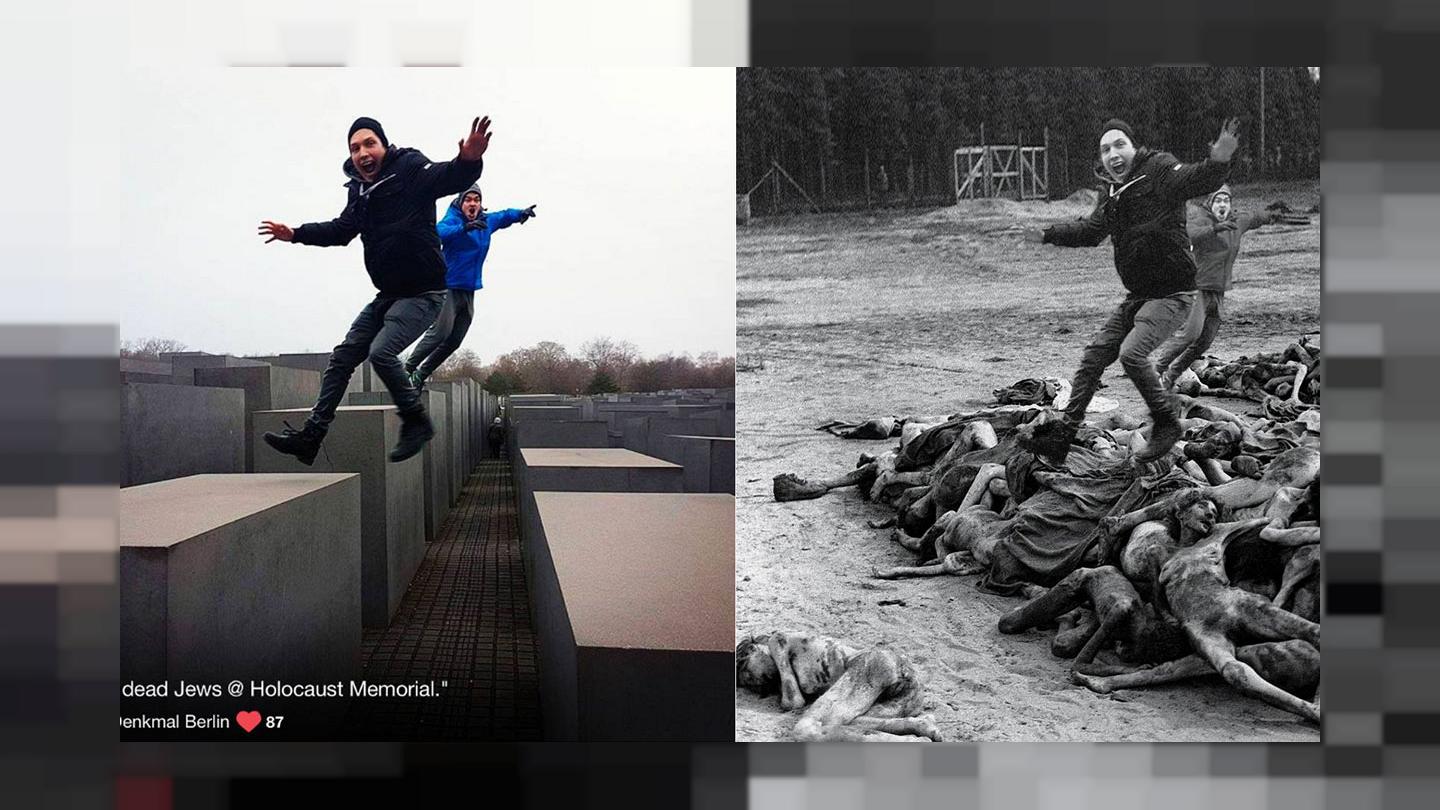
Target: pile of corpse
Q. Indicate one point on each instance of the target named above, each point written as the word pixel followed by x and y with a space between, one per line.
pixel 1206 561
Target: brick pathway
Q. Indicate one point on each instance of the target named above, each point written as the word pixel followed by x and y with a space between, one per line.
pixel 464 620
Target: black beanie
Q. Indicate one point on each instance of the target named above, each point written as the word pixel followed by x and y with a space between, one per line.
pixel 1113 123
pixel 371 124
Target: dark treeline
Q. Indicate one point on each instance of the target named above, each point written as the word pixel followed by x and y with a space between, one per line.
pixel 825 126
pixel 604 365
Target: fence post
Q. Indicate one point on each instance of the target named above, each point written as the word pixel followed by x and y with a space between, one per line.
pixel 867 177
pixel 1047 164
pixel 985 160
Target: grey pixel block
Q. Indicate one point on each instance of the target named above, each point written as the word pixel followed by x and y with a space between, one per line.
pixel 240 576
pixel 266 387
pixel 392 532
pixel 656 667
pixel 172 431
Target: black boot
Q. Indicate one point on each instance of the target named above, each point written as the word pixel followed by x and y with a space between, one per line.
pixel 415 431
pixel 1163 436
pixel 302 444
pixel 1052 440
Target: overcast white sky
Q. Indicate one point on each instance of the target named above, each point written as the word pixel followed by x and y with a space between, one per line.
pixel 632 171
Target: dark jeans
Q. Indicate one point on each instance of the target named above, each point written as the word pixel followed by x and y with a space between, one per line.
pixel 1133 331
pixel 445 335
pixel 1195 339
pixel 380 332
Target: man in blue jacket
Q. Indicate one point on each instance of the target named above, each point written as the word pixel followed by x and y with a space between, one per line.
pixel 390 205
pixel 1142 210
pixel 465 237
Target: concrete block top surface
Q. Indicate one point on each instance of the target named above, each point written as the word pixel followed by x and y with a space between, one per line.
pixel 168 512
pixel 592 457
pixel 644 571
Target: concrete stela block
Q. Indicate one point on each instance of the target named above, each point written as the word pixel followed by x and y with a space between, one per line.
pixel 709 463
pixel 659 664
pixel 585 470
pixel 172 431
pixel 555 413
pixel 266 387
pixel 541 434
pixel 392 537
pixel 436 454
pixel 360 380
pixel 240 576
pixel 453 416
pixel 184 364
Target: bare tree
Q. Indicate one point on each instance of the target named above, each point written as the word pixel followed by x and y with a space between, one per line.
pixel 464 363
pixel 150 348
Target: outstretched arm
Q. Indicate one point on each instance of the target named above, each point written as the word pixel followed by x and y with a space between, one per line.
pixel 338 231
pixel 790 696
pixel 1087 232
pixel 1253 220
pixel 1120 524
pixel 454 176
pixel 508 217
pixel 1182 181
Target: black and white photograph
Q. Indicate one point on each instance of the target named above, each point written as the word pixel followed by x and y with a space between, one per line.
pixel 1029 371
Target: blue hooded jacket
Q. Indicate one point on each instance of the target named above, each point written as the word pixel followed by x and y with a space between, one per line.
pixel 465 250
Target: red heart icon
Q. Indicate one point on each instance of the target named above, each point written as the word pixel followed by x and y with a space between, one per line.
pixel 248 720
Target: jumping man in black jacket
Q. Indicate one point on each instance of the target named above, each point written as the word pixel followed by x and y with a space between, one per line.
pixel 391 207
pixel 1142 210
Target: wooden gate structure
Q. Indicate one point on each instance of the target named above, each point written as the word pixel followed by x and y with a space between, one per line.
pixel 1003 170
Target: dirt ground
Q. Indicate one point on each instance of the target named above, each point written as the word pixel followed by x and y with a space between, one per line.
pixel 924 313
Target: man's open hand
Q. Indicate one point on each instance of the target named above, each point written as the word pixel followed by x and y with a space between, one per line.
pixel 1226 142
pixel 473 147
pixel 276 230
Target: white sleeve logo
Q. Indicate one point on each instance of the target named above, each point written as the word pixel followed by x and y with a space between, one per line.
pixel 1176 167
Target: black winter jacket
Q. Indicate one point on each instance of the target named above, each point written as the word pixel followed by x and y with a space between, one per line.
pixel 395 219
pixel 1145 219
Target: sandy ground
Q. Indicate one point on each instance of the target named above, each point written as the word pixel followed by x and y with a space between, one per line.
pixel 925 312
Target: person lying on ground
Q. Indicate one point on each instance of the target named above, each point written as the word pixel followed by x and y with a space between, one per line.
pixel 842 692
pixel 1216 616
pixel 1140 632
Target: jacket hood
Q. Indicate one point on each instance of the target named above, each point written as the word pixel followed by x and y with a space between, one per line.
pixel 1210 201
pixel 459 198
pixel 392 153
